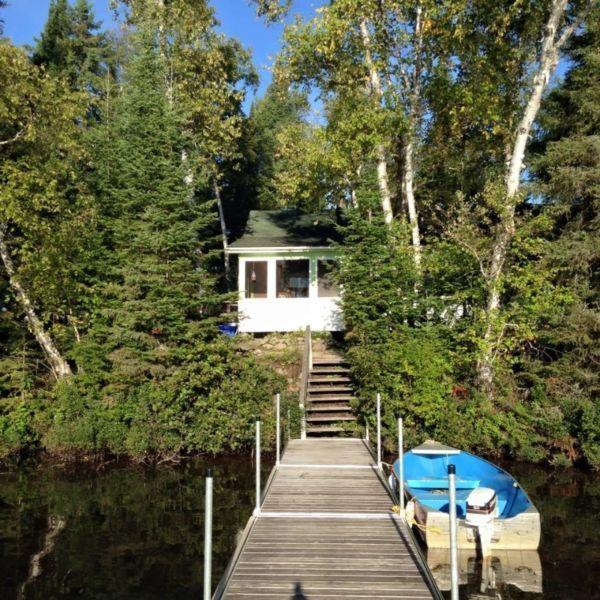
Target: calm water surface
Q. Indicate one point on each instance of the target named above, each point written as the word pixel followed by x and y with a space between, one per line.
pixel 71 532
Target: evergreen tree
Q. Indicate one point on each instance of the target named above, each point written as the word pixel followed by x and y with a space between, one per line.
pixel 157 289
pixel 567 167
pixel 71 46
pixel 52 49
pixel 2 5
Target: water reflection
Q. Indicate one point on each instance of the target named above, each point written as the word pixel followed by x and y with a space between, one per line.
pixel 125 533
pixel 491 577
pixel 133 533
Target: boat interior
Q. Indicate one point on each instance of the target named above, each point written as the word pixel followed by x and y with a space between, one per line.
pixel 426 478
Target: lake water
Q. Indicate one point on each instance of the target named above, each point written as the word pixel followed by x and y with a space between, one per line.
pixel 125 532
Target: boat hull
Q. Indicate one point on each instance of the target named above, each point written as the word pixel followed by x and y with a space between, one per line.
pixel 521 532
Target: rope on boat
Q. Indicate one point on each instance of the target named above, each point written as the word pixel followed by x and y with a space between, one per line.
pixel 410 521
pixel 410 515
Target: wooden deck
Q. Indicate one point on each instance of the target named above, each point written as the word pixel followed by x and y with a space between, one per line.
pixel 326 530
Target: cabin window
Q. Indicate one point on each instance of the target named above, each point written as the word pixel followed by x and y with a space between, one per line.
pixel 256 279
pixel 326 277
pixel 292 278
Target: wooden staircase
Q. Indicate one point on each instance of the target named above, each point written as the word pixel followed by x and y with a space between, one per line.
pixel 328 395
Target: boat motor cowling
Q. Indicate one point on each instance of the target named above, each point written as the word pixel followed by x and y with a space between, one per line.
pixel 482 510
pixel 482 506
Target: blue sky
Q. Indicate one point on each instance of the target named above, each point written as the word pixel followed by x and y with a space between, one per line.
pixel 24 19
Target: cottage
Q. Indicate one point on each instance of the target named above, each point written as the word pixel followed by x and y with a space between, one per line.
pixel 286 260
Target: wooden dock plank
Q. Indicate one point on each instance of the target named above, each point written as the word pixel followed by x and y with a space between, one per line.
pixel 327 531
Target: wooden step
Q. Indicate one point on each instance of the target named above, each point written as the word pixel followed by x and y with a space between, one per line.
pixel 328 407
pixel 331 398
pixel 328 389
pixel 318 429
pixel 333 369
pixel 334 379
pixel 320 361
pixel 331 418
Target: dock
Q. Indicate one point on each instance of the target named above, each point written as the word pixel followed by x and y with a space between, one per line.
pixel 326 528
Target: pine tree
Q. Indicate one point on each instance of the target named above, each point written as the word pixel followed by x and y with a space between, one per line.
pixel 2 5
pixel 157 289
pixel 567 168
pixel 52 49
pixel 71 46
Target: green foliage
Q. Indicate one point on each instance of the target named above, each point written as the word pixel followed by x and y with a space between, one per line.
pixel 566 157
pixel 413 372
pixel 71 47
pixel 112 226
pixel 272 10
pixel 378 277
pixel 126 276
pixel 279 109
pixel 207 405
pixel 45 206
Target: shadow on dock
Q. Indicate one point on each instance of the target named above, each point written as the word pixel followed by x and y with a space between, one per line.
pixel 298 593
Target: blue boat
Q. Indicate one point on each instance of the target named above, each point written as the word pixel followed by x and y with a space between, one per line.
pixel 493 511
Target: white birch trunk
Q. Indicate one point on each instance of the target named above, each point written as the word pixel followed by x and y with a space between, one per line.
pixel 411 205
pixel 60 367
pixel 223 228
pixel 506 229
pixel 382 171
pixel 408 166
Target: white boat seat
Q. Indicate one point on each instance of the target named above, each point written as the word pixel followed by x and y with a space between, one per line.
pixel 433 483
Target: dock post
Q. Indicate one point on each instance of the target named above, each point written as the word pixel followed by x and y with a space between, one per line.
pixel 367 432
pixel 208 519
pixel 379 431
pixel 257 452
pixel 453 537
pixel 277 430
pixel 401 464
pixel 289 425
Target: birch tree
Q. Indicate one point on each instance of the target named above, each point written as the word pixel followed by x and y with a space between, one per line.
pixel 45 210
pixel 393 47
pixel 380 150
pixel 556 31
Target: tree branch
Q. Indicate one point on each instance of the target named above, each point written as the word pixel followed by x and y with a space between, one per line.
pixel 13 139
pixel 570 29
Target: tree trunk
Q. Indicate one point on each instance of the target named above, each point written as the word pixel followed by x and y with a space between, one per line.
pixel 506 228
pixel 223 228
pixel 408 152
pixel 60 367
pixel 382 171
pixel 409 195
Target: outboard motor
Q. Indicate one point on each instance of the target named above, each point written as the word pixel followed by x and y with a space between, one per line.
pixel 482 510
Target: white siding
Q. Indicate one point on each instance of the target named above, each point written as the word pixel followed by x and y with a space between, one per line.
pixel 259 315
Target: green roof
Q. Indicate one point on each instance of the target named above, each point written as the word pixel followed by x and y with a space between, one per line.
pixel 287 228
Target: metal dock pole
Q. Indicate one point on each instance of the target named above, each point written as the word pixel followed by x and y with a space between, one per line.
pixel 379 431
pixel 453 540
pixel 401 464
pixel 208 519
pixel 257 451
pixel 277 430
